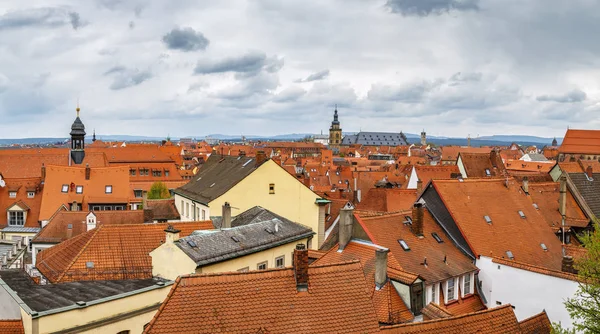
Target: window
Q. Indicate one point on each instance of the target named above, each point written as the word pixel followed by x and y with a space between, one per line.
pixel 262 266
pixel 436 237
pixel 487 172
pixel 272 188
pixel 79 189
pixel 467 284
pixel 137 193
pixel 16 218
pixel 30 194
pixel 535 206
pixel 123 332
pixel 156 173
pixel 404 245
pixel 544 246
pixel 203 215
pixel 108 189
pixel 167 173
pixel 132 172
pixel 65 188
pixel 521 214
pixel 510 255
pixel 12 194
pixel 96 208
pixel 187 210
pixel 280 262
pixel 243 270
pixel 487 219
pixel 89 264
pixel 450 289
pixel 433 295
pixel 107 208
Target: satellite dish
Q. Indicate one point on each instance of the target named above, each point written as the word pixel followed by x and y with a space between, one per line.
pixel 2 183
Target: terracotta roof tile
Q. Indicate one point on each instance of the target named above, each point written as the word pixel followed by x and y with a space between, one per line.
pixel 434 311
pixel 388 200
pixel 428 173
pixel 11 327
pixel 31 205
pixel 467 304
pixel 501 319
pixel 27 163
pixel 387 229
pixel 546 195
pixel 537 324
pixel 114 252
pixel 271 304
pixel 450 153
pixel 478 164
pixel 163 209
pixel 536 269
pixel 581 142
pixel 388 304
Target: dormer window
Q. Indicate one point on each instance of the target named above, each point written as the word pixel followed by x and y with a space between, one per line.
pixel 12 194
pixel 132 172
pixel 79 189
pixel 16 218
pixel 108 189
pixel 166 173
pixel 65 188
pixel 30 194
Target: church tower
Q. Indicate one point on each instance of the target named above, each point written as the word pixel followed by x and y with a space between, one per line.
pixel 335 132
pixel 423 138
pixel 77 151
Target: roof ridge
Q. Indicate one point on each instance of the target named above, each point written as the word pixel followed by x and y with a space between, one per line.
pixel 533 316
pixel 508 262
pixel 93 233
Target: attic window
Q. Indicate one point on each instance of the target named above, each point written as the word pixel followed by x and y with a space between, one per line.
pixel 510 255
pixel 89 264
pixel 404 245
pixel 108 189
pixel 272 188
pixel 536 206
pixel 30 194
pixel 65 188
pixel 487 219
pixel 70 226
pixel 407 220
pixel 191 243
pixel 437 237
pixel 12 194
pixel 544 246
pixel 487 172
pixel 212 185
pixel 269 230
pixel 79 189
pixel 235 239
pixel 521 214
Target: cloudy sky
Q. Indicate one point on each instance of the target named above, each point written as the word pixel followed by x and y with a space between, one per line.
pixel 192 67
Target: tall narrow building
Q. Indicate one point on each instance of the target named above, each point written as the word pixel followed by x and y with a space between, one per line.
pixel 335 132
pixel 77 140
pixel 423 138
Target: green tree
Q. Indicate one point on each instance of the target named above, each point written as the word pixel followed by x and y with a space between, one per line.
pixel 159 190
pixel 584 308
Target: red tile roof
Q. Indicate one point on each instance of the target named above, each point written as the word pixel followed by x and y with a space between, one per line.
pixel 133 154
pixel 477 165
pixel 537 324
pixel 450 153
pixel 581 142
pixel 388 304
pixel 536 269
pixel 529 166
pixel 428 173
pixel 546 196
pixel 387 229
pixel 163 209
pixel 57 229
pixel 501 319
pixel 337 299
pixel 434 311
pixel 467 304
pixel 469 201
pixel 115 251
pixel 27 163
pixel 31 205
pixel 388 200
pixel 93 189
pixel 11 327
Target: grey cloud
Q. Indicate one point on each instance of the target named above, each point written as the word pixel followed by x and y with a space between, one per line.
pixel 428 7
pixel 290 94
pixel 125 77
pixel 573 96
pixel 185 39
pixel 3 83
pixel 246 65
pixel 49 17
pixel 460 77
pixel 409 93
pixel 315 76
pixel 131 24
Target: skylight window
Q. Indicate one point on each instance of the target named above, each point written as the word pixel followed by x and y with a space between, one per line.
pixel 437 237
pixel 89 264
pixel 65 188
pixel 510 255
pixel 487 172
pixel 407 219
pixel 521 214
pixel 544 246
pixel 235 239
pixel 404 245
pixel 536 206
pixel 191 243
pixel 246 163
pixel 79 189
pixel 108 189
pixel 487 219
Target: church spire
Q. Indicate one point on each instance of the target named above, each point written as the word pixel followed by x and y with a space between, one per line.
pixel 94 136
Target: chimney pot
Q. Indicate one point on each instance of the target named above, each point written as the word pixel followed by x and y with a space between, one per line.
pixel 87 171
pixel 419 186
pixel 381 264
pixel 345 227
pixel 43 172
pixel 172 234
pixel 562 199
pixel 226 223
pixel 417 219
pixel 301 267
pixel 568 265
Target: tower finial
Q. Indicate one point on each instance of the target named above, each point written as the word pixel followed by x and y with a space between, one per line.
pixel 77 107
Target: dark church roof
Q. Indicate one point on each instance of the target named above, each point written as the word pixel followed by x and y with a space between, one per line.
pixel 77 128
pixel 376 139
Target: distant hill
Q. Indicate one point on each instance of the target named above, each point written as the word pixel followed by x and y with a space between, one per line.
pixel 518 139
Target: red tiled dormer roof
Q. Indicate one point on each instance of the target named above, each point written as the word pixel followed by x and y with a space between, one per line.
pixel 389 306
pixel 581 142
pixel 337 299
pixel 501 319
pixel 30 205
pixel 469 201
pixel 388 229
pixel 109 252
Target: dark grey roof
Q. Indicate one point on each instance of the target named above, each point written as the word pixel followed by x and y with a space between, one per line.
pixel 589 190
pixel 77 128
pixel 217 175
pixel 255 230
pixel 537 157
pixel 41 298
pixel 376 139
pixel 21 229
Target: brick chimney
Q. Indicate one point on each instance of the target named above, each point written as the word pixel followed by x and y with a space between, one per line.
pixel 345 227
pixel 419 186
pixel 417 219
pixel 381 264
pixel 589 172
pixel 172 234
pixel 43 172
pixel 226 215
pixel 568 264
pixel 261 157
pixel 494 158
pixel 526 185
pixel 87 171
pixel 301 267
pixel 562 199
